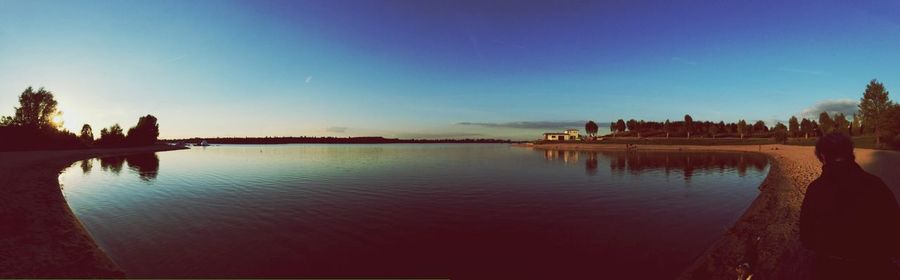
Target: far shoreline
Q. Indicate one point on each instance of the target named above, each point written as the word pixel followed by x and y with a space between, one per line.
pixel 44 238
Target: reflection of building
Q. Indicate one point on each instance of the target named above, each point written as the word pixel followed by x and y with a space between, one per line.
pixel 570 134
pixel 565 156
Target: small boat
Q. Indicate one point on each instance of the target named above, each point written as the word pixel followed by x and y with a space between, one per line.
pixel 202 143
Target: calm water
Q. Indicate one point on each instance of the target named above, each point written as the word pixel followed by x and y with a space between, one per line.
pixel 461 211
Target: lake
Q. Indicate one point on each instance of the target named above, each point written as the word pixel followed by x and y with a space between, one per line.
pixel 459 211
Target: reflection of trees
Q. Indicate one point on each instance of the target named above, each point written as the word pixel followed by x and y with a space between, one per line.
pixel 113 164
pixel 86 166
pixel 146 165
pixel 590 164
pixel 688 163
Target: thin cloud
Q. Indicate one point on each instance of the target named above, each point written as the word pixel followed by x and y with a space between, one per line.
pixel 439 135
pixel 803 71
pixel 684 61
pixel 174 59
pixel 336 129
pixel 846 106
pixel 308 79
pixel 530 125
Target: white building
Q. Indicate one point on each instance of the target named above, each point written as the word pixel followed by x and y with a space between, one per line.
pixel 570 134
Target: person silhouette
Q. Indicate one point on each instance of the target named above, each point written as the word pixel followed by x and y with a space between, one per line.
pixel 849 218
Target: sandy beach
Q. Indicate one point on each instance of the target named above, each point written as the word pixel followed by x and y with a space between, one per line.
pixel 41 237
pixel 767 234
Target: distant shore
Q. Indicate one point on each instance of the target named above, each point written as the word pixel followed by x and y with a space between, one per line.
pixel 767 234
pixel 41 237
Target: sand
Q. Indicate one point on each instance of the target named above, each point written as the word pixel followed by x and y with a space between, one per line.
pixel 768 232
pixel 40 237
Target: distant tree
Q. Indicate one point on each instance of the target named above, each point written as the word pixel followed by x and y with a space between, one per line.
pixel 891 128
pixel 668 128
pixel 841 124
pixel 855 124
pixel 631 125
pixel 688 124
pixel 112 136
pixel 146 132
pixel 805 127
pixel 742 128
pixel 794 127
pixel 37 109
pixel 713 130
pixel 873 105
pixel 760 126
pixel 590 127
pixel 781 133
pixel 6 121
pixel 620 125
pixel 826 124
pixel 87 134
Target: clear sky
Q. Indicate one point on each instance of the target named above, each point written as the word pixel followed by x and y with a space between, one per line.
pixel 435 69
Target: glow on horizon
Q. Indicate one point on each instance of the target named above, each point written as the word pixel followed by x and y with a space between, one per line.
pixel 433 69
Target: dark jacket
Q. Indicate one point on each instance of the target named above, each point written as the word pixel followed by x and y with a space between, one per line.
pixel 850 214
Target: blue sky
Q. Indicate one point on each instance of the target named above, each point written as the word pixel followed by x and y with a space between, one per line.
pixel 435 69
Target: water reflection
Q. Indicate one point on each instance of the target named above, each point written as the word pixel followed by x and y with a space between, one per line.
pixel 145 165
pixel 638 162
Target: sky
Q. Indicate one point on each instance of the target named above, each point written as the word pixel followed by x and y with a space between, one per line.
pixel 441 69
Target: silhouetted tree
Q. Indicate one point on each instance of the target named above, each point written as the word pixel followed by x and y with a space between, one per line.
pixel 146 132
pixel 688 124
pixel 805 127
pixel 620 125
pixel 873 105
pixel 760 126
pixel 794 127
pixel 855 128
pixel 37 109
pixel 742 128
pixel 668 128
pixel 87 134
pixel 591 128
pixel 781 133
pixel 826 124
pixel 112 136
pixel 841 125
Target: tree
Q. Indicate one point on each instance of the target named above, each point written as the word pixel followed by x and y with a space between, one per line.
pixel 891 128
pixel 873 105
pixel 794 127
pixel 742 128
pixel 781 133
pixel 688 124
pixel 37 109
pixel 713 130
pixel 826 124
pixel 87 134
pixel 667 127
pixel 112 136
pixel 760 126
pixel 856 129
pixel 146 132
pixel 805 127
pixel 591 128
pixel 620 125
pixel 841 124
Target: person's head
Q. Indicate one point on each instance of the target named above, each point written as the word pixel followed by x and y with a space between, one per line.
pixel 834 147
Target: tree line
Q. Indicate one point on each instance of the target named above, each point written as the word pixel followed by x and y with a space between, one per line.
pixel 877 115
pixel 35 126
pixel 327 140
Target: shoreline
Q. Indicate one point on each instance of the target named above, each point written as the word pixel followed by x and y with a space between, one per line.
pixel 42 237
pixel 767 233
